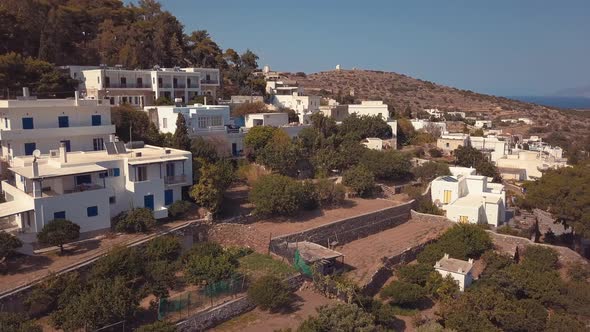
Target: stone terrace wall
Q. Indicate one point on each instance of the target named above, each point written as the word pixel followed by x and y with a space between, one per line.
pixel 226 311
pixel 345 230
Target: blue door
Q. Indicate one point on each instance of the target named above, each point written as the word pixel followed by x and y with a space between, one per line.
pixel 168 197
pixel 96 120
pixel 29 148
pixel 63 121
pixel 148 202
pixel 28 123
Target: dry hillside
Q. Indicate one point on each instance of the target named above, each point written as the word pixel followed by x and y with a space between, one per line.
pixel 402 91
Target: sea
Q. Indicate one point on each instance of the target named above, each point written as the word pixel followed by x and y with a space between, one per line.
pixel 579 103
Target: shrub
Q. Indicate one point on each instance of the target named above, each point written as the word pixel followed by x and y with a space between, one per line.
pixel 430 171
pixel 339 317
pixel 8 243
pixel 59 232
pixel 17 322
pixel 159 326
pixel 134 221
pixel 435 153
pixel 309 196
pixel 505 229
pixel 199 268
pixel 403 293
pixel 415 273
pixel 462 241
pixel 329 193
pixel 125 262
pixel 270 293
pixel 360 179
pixel 387 165
pixel 165 248
pixel 46 296
pixel 276 195
pixel 179 209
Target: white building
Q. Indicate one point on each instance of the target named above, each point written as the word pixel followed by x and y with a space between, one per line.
pixel 450 142
pixel 434 112
pixel 287 94
pixel 90 188
pixel 30 124
pixel 490 146
pixel 527 165
pixel 370 108
pixel 457 113
pixel 423 124
pixel 266 119
pixel 141 88
pixel 526 120
pixel 199 118
pixel 459 270
pixel 483 124
pixel 469 198
pixel 373 143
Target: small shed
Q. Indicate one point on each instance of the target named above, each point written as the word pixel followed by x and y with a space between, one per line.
pixel 324 259
pixel 459 270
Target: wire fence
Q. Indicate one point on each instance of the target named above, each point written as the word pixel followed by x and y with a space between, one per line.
pixel 186 304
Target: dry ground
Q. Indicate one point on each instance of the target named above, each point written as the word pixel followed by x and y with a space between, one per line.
pixel 262 321
pixel 257 235
pixel 365 255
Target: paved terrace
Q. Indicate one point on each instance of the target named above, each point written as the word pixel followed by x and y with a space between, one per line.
pixel 365 255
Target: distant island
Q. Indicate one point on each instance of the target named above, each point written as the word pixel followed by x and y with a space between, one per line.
pixel 573 102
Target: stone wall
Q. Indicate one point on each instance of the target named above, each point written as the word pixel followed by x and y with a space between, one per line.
pixel 428 217
pixel 345 230
pixel 226 311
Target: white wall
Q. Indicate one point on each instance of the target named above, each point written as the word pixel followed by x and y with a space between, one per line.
pixel 464 281
pixel 268 119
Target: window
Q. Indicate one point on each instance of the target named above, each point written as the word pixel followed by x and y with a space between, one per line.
pixel 114 172
pixel 168 197
pixel 216 120
pixel 5 122
pixel 141 173
pixel 29 148
pixel 139 82
pixel 159 82
pixel 463 219
pixel 59 215
pixel 447 197
pixel 28 123
pixel 170 169
pixel 92 211
pixel 208 77
pixel 136 100
pixel 112 200
pixel 96 120
pixel 164 123
pixel 63 121
pixel 188 82
pixel 67 144
pixel 447 145
pixel 107 81
pixel 98 144
pixel 203 122
pixel 83 179
pixel 175 82
pixel 123 82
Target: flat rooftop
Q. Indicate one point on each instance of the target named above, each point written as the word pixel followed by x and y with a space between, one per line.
pixel 453 265
pixel 313 252
pixel 32 102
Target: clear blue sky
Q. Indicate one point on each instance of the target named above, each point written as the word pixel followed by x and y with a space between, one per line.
pixel 504 47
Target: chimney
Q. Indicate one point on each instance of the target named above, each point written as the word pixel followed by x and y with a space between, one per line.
pixel 35 166
pixel 446 256
pixel 26 92
pixel 112 138
pixel 63 154
pixel 76 97
pixel 470 261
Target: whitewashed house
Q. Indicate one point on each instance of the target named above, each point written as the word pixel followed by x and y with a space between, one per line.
pixel 527 165
pixel 30 124
pixel 275 119
pixel 469 198
pixel 491 146
pixel 288 94
pixel 483 124
pixel 458 269
pixel 422 124
pixel 450 142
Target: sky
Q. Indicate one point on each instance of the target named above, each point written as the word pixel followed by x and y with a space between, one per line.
pixel 502 47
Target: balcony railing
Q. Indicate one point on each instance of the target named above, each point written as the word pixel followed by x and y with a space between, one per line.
pixel 179 86
pixel 193 86
pixel 175 179
pixel 127 86
pixel 83 187
pixel 204 81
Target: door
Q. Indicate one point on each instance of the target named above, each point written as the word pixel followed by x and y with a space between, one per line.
pixel 463 219
pixel 148 202
pixel 234 149
pixel 63 121
pixel 96 120
pixel 29 148
pixel 447 197
pixel 168 197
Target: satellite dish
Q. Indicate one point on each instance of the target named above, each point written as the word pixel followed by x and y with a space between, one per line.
pixel 36 153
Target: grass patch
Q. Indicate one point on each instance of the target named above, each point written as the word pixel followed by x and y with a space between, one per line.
pixel 258 265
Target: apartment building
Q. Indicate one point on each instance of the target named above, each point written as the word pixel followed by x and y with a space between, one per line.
pixel 493 147
pixel 90 188
pixel 469 198
pixel 288 94
pixel 29 124
pixel 141 88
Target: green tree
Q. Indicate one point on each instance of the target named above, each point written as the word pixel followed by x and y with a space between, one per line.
pixel 201 268
pixel 163 101
pixel 361 127
pixel 564 323
pixel 204 149
pixel 386 165
pixel 135 125
pixel 276 194
pixel 257 138
pixel 403 293
pixel 281 155
pixel 165 248
pixel 405 131
pixel 215 179
pixel 339 317
pixel 181 139
pixel 128 263
pixel 250 108
pixel 430 171
pixel 53 292
pixel 17 322
pixel 59 232
pixel 324 125
pixel 135 221
pixel 415 273
pixel 8 243
pixel 467 156
pixel 160 277
pixel 360 179
pixel 329 193
pixel 462 241
pixel 179 209
pixel 270 293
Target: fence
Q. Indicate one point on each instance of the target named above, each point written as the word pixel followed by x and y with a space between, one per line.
pixel 186 304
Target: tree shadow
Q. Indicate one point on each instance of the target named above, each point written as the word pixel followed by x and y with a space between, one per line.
pixel 82 247
pixel 20 264
pixel 296 302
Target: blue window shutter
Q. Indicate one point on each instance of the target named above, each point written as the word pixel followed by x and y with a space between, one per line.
pixel 63 121
pixel 92 211
pixel 168 197
pixel 28 123
pixel 96 120
pixel 116 171
pixel 59 215
pixel 29 148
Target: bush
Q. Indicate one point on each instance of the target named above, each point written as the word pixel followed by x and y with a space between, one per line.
pixel 165 248
pixel 360 179
pixel 46 296
pixel 403 293
pixel 462 241
pixel 17 322
pixel 269 293
pixel 505 229
pixel 208 262
pixel 435 153
pixel 125 262
pixel 8 243
pixel 387 165
pixel 134 221
pixel 430 171
pixel 415 273
pixel 339 317
pixel 179 209
pixel 329 193
pixel 276 195
pixel 159 326
pixel 59 232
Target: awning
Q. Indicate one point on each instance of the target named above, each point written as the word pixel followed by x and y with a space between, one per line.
pixel 46 171
pixel 155 160
pixel 14 207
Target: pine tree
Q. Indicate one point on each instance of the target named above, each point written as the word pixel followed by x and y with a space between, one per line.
pixel 181 139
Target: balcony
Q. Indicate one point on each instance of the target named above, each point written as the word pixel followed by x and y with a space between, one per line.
pixel 128 86
pixel 42 133
pixel 175 179
pixel 193 86
pixel 82 187
pixel 205 81
pixel 179 86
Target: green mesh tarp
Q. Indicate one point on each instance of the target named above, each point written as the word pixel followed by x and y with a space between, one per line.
pixel 300 264
pixel 227 286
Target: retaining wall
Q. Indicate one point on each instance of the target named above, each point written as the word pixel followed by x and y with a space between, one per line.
pixel 345 230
